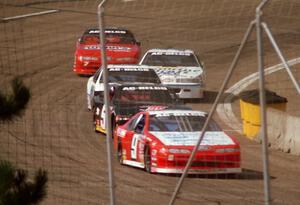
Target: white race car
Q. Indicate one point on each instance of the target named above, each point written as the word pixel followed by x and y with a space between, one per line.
pixel 179 70
pixel 118 74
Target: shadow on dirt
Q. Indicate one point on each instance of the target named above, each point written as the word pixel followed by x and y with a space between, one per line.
pixel 246 174
pixel 84 75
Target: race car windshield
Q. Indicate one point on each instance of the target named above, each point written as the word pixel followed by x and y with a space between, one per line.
pixel 170 60
pixel 133 76
pixel 110 39
pixel 152 97
pixel 173 123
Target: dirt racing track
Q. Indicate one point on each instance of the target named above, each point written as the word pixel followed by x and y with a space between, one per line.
pixel 56 131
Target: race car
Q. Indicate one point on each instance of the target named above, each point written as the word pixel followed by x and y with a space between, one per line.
pixel 121 48
pixel 161 141
pixel 180 70
pixel 118 74
pixel 128 99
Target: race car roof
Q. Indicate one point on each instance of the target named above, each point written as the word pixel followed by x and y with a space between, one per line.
pixel 177 112
pixel 170 51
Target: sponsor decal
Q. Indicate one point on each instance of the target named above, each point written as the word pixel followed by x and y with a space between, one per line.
pixel 129 69
pixel 145 88
pixel 108 31
pixel 94 31
pixel 171 53
pixel 115 31
pixel 91 47
pixel 117 48
pixel 187 72
pixel 190 138
pixel 177 113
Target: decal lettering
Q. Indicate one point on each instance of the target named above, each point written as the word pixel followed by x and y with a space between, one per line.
pixel 129 69
pixel 167 114
pixel 145 88
pixel 171 53
pixel 119 48
pixel 94 31
pixel 109 31
pixel 95 47
pixel 116 31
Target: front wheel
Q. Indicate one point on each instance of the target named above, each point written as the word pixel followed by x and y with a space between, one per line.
pixel 147 159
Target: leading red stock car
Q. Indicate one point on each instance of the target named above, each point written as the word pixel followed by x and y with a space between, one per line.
pixel 121 48
pixel 161 141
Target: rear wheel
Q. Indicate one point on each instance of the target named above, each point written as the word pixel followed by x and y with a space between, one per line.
pixel 147 159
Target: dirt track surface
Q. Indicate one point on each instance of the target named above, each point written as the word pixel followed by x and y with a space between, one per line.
pixel 56 130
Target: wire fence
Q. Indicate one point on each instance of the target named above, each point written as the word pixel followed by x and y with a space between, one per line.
pixel 56 131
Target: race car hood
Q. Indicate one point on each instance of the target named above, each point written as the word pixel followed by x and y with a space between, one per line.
pixel 190 138
pixel 177 74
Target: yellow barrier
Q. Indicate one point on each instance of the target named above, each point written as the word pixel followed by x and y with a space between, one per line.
pixel 250 114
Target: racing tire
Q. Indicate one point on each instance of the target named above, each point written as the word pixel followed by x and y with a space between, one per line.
pixel 147 159
pixel 119 153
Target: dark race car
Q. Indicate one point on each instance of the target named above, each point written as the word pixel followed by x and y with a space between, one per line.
pixel 121 48
pixel 128 99
pixel 118 74
pixel 161 141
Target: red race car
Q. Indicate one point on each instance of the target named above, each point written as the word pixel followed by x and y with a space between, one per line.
pixel 161 141
pixel 121 48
